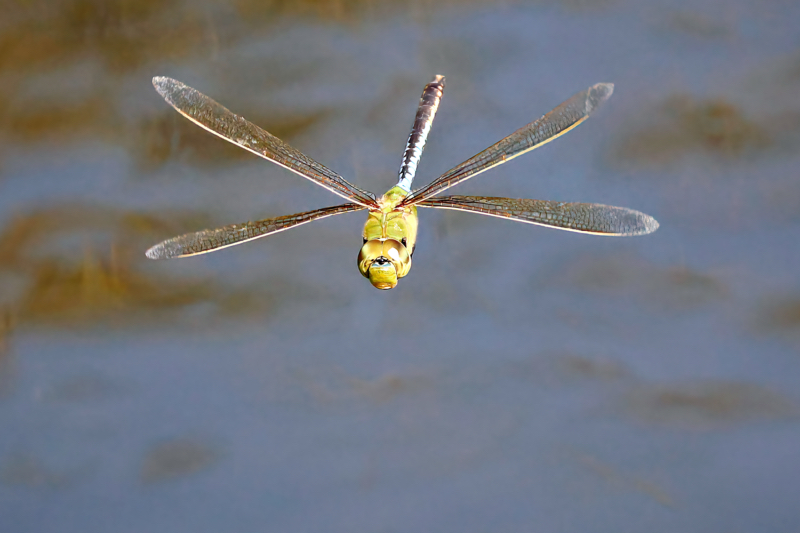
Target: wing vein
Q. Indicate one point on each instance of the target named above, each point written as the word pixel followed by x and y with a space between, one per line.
pixel 597 219
pixel 201 242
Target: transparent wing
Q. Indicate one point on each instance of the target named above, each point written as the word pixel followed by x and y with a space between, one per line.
pixel 583 218
pixel 217 119
pixel 555 123
pixel 209 240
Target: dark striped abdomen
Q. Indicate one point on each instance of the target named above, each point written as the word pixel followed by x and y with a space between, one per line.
pixel 428 104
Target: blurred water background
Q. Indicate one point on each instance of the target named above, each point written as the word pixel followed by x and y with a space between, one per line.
pixel 519 379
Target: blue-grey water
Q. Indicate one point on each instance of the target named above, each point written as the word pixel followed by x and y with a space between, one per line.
pixel 519 379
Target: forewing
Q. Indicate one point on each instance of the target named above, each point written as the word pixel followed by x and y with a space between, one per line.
pixel 597 219
pixel 555 123
pixel 209 240
pixel 220 121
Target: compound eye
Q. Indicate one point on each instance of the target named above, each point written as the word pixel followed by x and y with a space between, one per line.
pixel 403 240
pixel 371 251
pixel 383 262
pixel 394 251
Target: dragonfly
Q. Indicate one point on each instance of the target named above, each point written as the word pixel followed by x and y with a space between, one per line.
pixel 390 232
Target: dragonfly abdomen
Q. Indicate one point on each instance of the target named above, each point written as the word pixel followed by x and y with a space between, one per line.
pixel 428 104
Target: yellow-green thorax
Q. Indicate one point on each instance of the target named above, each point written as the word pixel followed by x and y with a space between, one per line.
pixel 390 235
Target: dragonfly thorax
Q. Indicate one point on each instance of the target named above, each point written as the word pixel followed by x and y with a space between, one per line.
pixel 388 202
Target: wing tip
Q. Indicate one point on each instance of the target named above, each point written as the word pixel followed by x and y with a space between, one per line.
pixel 154 252
pixel 650 224
pixel 163 250
pixel 597 94
pixel 166 86
pixel 644 225
pixel 626 222
pixel 607 89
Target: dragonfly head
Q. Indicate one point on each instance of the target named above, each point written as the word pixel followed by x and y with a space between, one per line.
pixel 383 262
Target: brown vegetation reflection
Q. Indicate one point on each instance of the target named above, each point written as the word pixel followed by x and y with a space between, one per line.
pixel 96 42
pixel 780 316
pixel 783 315
pixel 696 24
pixel 80 265
pixel 683 125
pixel 706 405
pixel 123 34
pixel 616 479
pixel 177 458
pixel 26 470
pixel 151 140
pixel 6 359
pixel 672 288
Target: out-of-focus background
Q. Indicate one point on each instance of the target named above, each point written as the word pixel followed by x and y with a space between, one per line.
pixel 519 379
